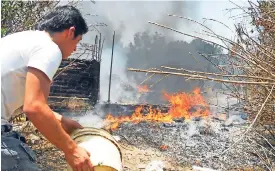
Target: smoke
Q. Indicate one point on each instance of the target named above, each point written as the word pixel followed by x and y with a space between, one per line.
pixel 93 118
pixel 127 18
pixel 123 88
pixel 130 17
pixel 192 129
pixel 219 102
pixel 234 119
pixel 203 125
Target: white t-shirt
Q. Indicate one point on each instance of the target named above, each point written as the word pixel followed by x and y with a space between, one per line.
pixel 17 52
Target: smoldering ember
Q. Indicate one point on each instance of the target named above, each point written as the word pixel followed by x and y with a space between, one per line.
pixel 176 93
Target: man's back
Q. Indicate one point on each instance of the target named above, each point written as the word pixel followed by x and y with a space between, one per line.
pixel 29 61
pixel 18 51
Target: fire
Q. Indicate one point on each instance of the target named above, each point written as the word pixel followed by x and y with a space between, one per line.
pixel 183 105
pixel 137 116
pixel 164 147
pixel 143 89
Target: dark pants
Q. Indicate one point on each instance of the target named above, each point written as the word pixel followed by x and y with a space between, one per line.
pixel 16 155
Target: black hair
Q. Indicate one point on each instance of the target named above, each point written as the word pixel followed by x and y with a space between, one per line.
pixel 61 18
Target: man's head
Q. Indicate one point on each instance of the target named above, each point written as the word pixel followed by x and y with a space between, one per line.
pixel 66 26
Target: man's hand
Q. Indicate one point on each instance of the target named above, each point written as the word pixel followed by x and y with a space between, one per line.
pixel 70 125
pixel 79 160
pixel 67 124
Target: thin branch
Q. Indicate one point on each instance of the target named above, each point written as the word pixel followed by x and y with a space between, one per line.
pixel 197 23
pixel 201 77
pixel 205 19
pixel 222 75
pixel 251 125
pixel 159 80
pixel 147 79
pixel 266 141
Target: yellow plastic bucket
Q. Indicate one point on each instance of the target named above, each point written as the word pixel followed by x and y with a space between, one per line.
pixel 105 151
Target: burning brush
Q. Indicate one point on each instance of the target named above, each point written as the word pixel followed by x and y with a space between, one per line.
pixel 182 105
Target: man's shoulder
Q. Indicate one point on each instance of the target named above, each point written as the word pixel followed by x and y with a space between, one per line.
pixel 25 36
pixel 31 41
pixel 20 38
pixel 19 34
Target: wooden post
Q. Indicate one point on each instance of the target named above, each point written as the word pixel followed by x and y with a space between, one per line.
pixel 110 77
pixel 99 47
pixel 96 41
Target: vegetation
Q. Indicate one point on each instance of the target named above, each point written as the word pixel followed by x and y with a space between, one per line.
pixel 22 15
pixel 248 73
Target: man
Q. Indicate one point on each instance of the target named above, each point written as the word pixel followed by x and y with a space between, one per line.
pixel 29 60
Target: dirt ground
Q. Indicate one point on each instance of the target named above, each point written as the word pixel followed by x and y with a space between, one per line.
pixel 134 159
pixel 49 158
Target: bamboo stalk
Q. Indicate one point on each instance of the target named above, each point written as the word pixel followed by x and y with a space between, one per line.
pixel 201 77
pixel 207 73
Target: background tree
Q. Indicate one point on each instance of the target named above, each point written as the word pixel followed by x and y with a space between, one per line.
pixel 22 15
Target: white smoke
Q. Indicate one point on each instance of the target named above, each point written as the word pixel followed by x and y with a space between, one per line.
pixel 130 17
pixel 120 82
pixel 219 101
pixel 91 120
pixel 192 129
pixel 234 119
pixel 127 18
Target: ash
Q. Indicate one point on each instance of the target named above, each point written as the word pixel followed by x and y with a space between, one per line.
pixel 198 142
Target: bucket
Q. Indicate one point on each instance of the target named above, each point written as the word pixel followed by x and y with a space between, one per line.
pixel 105 151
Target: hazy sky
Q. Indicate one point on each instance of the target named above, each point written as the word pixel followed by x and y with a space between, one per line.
pixel 130 17
pixel 218 10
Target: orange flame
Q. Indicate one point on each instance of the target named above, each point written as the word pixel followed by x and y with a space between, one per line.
pixel 183 105
pixel 163 147
pixel 143 89
pixel 183 102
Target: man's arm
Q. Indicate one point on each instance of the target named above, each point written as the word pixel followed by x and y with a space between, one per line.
pixel 67 124
pixel 39 113
pixel 43 118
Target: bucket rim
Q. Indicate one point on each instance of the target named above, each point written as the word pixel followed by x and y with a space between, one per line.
pixel 96 132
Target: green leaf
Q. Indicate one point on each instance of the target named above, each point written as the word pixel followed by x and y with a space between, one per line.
pixel 3 31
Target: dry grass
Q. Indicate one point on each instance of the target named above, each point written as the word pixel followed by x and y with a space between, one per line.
pixel 70 103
